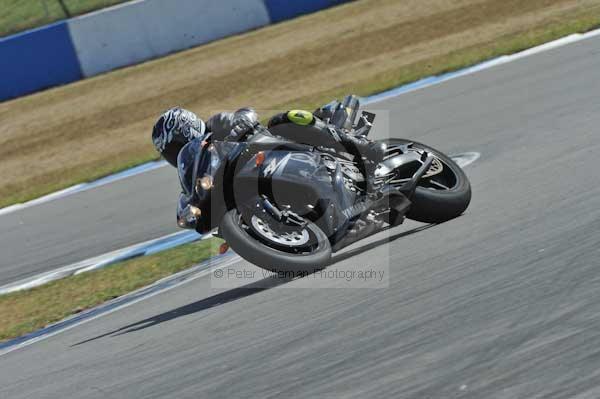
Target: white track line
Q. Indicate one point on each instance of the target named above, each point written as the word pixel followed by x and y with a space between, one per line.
pixel 505 59
pixel 98 262
pixel 117 304
pixel 465 159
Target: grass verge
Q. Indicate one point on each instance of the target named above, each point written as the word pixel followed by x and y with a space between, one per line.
pixel 26 311
pixel 19 15
pixel 95 127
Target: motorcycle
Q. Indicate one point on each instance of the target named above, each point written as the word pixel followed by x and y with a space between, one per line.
pixel 286 205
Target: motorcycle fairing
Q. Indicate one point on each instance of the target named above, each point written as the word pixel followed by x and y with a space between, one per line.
pixel 301 181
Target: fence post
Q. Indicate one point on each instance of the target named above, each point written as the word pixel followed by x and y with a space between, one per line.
pixel 64 8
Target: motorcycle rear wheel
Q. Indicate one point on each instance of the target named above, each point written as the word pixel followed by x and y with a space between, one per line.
pixel 435 203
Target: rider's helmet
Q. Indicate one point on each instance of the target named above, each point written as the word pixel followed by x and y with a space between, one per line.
pixel 174 129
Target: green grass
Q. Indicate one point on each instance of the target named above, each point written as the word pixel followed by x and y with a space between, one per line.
pixel 19 15
pixel 26 311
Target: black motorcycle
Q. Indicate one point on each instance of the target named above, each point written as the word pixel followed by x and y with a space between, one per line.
pixel 286 206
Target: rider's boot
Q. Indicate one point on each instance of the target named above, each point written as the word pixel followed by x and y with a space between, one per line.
pixel 373 153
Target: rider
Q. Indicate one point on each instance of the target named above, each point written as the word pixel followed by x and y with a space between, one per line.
pixel 315 131
pixel 177 126
pixel 174 129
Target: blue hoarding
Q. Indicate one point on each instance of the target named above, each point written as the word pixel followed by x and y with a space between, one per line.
pixel 280 10
pixel 37 59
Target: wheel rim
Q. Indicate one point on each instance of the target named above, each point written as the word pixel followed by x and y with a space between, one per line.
pixel 297 238
pixel 439 177
pixel 435 169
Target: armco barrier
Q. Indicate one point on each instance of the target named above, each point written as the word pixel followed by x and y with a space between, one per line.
pixel 128 34
pixel 143 30
pixel 37 59
pixel 280 10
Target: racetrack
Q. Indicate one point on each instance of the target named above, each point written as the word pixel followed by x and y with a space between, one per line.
pixel 87 224
pixel 499 303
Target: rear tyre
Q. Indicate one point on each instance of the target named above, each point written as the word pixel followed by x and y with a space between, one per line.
pixel 243 239
pixel 433 204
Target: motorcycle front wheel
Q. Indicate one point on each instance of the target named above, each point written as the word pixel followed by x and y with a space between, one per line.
pixel 304 250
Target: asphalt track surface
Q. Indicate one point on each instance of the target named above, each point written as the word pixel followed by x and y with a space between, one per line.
pixel 87 224
pixel 500 303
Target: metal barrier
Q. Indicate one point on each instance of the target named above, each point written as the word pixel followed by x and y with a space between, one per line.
pixel 126 34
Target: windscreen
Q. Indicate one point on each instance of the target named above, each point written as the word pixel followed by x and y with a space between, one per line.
pixel 185 165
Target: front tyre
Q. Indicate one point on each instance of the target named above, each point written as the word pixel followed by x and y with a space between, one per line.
pixel 309 249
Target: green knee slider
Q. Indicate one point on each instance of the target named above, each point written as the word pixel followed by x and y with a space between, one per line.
pixel 300 117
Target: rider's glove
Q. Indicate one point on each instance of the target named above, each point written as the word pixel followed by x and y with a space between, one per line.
pixel 244 120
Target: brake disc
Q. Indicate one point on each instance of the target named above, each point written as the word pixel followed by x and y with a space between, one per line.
pixel 293 238
pixel 435 169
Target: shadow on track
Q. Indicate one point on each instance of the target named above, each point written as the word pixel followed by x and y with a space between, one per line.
pixel 240 292
pixel 386 240
pixel 207 303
